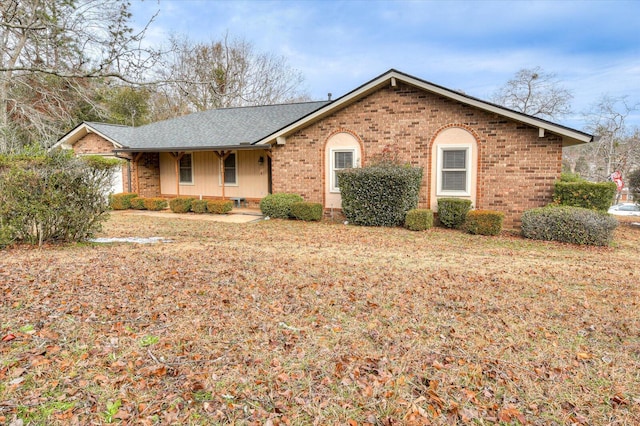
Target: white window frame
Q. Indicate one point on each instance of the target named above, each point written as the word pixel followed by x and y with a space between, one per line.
pixel 468 160
pixel 223 174
pixel 191 180
pixel 333 188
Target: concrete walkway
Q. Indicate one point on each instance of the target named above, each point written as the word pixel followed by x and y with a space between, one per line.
pixel 239 215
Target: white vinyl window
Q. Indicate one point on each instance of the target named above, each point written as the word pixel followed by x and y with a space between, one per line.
pixel 186 169
pixel 340 159
pixel 454 175
pixel 231 170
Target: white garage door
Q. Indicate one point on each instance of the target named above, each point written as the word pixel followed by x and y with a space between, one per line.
pixel 116 181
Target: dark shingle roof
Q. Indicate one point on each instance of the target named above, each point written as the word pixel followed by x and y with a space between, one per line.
pixel 210 129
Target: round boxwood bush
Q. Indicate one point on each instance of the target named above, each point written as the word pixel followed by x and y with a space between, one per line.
pixel 306 211
pixel 278 205
pixel 155 203
pixel 181 204
pixel 121 201
pixel 418 219
pixel 199 206
pixel 452 212
pixel 483 222
pixel 138 203
pixel 219 206
pixel 567 224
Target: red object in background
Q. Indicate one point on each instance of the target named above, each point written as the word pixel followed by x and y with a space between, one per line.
pixel 617 178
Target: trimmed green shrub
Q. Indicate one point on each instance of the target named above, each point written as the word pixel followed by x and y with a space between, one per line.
pixel 137 203
pixel 483 222
pixel 121 201
pixel 379 195
pixel 634 185
pixel 181 204
pixel 568 224
pixel 571 177
pixel 303 210
pixel 52 197
pixel 418 219
pixel 219 206
pixel 452 212
pixel 155 204
pixel 589 195
pixel 278 205
pixel 199 206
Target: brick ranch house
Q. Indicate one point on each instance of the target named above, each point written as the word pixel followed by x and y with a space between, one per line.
pixel 498 158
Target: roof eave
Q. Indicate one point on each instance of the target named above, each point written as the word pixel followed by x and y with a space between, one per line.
pixel 569 136
pixel 242 147
pixel 73 136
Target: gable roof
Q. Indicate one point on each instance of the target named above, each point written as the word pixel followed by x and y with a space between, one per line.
pixel 569 136
pixel 217 128
pixel 256 126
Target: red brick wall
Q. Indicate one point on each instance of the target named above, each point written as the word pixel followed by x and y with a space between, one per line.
pixel 516 172
pixel 145 175
pixel 93 144
pixel 96 144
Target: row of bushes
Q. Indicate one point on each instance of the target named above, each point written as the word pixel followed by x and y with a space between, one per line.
pixel 290 206
pixel 454 213
pixel 128 200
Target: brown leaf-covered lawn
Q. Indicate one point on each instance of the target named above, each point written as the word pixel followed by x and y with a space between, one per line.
pixel 283 322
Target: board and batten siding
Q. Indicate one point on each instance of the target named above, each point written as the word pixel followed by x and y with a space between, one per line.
pixel 252 177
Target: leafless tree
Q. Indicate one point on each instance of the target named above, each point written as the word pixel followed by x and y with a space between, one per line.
pixel 536 93
pixel 617 146
pixel 46 45
pixel 225 73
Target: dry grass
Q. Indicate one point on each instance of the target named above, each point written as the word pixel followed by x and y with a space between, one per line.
pixel 282 322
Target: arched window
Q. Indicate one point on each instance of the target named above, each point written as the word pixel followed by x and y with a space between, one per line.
pixel 342 151
pixel 454 159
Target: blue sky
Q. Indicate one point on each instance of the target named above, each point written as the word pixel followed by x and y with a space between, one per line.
pixel 473 46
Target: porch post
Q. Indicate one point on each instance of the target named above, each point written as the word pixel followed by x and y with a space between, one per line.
pixel 177 156
pixel 136 160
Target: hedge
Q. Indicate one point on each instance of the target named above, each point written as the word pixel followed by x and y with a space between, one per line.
pixel 418 219
pixel 568 224
pixel 199 206
pixel 483 222
pixel 121 201
pixel 452 212
pixel 155 204
pixel 589 195
pixel 219 206
pixel 278 205
pixel 307 211
pixel 181 204
pixel 379 195
pixel 137 203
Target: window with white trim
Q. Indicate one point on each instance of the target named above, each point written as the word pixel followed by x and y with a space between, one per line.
pixel 454 177
pixel 231 169
pixel 186 169
pixel 341 159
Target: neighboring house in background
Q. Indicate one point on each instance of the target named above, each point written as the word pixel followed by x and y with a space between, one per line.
pixel 498 158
